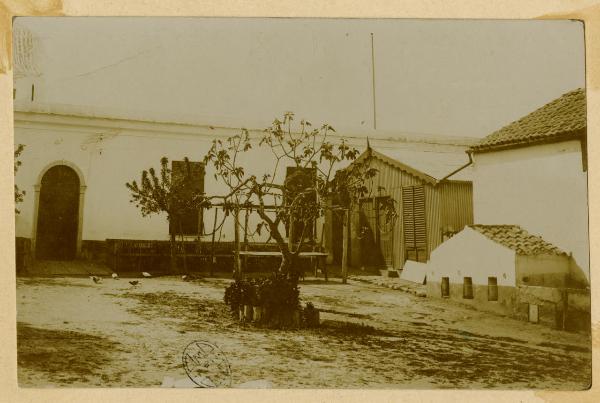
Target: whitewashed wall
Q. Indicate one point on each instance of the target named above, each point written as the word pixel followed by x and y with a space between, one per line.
pixel 542 188
pixel 471 254
pixel 109 153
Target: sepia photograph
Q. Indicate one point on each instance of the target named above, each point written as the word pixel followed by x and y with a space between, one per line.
pixel 301 203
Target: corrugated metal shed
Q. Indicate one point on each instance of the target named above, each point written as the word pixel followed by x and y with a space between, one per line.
pixel 448 204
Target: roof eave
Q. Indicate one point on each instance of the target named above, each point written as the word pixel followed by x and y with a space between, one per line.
pixel 421 175
pixel 560 137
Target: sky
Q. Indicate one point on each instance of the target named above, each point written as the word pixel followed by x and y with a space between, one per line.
pixel 441 77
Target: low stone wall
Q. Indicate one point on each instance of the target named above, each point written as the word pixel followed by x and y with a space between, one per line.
pixel 559 308
pixel 579 316
pixel 503 306
pixel 198 256
pixel 548 301
pixel 94 251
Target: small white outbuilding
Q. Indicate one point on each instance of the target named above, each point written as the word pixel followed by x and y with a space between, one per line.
pixel 507 270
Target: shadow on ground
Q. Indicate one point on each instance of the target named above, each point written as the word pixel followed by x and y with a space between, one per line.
pixel 63 356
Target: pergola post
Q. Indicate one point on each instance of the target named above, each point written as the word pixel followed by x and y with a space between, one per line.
pixel 345 229
pixel 236 257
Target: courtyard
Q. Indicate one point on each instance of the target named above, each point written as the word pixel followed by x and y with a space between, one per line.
pixel 73 332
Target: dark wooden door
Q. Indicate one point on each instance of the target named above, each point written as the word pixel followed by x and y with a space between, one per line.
pixel 377 235
pixel 370 252
pixel 385 233
pixel 58 214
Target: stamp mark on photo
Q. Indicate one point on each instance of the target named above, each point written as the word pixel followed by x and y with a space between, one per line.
pixel 206 365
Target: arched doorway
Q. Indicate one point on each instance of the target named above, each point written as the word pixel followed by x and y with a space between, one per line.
pixel 58 214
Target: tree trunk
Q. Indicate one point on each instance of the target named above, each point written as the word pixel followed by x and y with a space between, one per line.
pixel 287 258
pixel 185 269
pixel 173 262
pixel 288 265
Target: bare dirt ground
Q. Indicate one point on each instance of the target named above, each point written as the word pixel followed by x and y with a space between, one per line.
pixel 72 332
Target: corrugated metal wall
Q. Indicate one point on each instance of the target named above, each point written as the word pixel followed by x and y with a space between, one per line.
pixel 434 225
pixel 447 204
pixel 450 208
pixel 392 179
pixel 457 204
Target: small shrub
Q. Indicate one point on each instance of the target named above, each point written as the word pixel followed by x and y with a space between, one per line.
pixel 277 293
pixel 248 292
pixel 310 315
pixel 233 296
pixel 239 293
pixel 278 296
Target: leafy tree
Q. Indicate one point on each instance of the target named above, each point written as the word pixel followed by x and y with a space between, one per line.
pixel 303 196
pixel 19 194
pixel 174 195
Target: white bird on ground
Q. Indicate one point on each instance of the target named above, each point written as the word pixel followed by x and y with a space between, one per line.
pixel 115 276
pixel 190 277
pixel 96 279
pixel 146 274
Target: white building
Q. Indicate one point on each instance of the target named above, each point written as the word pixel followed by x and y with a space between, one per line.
pixel 104 154
pixel 533 173
pixel 505 269
pixel 91 157
pixel 530 238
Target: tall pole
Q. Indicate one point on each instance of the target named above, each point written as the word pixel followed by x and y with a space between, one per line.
pixel 245 265
pixel 213 261
pixel 346 227
pixel 373 82
pixel 236 253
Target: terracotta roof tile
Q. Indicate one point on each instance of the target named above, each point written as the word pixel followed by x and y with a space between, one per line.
pixel 562 118
pixel 516 238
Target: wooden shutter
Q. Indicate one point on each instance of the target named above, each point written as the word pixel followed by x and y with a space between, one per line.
pixel 408 217
pixel 415 229
pixel 419 215
pixel 191 221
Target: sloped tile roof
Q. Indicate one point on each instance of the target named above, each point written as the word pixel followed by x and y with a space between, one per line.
pixel 564 117
pixel 516 238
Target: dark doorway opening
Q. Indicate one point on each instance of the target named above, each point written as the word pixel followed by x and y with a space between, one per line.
pixel 445 287
pixel 58 214
pixel 376 234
